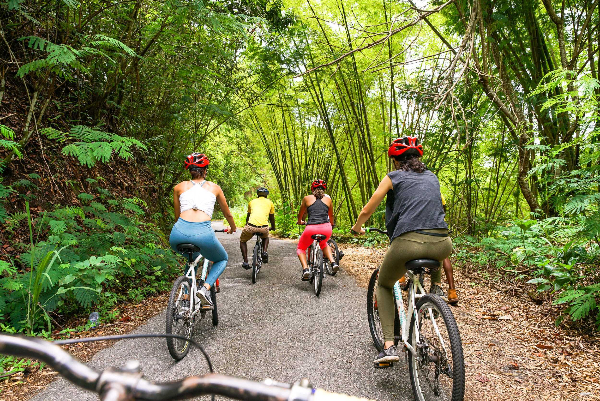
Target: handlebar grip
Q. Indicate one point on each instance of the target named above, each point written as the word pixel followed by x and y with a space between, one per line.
pixel 222 231
pixel 322 395
pixel 57 358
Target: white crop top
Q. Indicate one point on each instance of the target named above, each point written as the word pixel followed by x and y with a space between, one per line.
pixel 197 198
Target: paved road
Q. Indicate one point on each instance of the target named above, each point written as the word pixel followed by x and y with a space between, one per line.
pixel 276 328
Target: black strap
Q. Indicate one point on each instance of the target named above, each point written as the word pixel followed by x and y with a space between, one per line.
pixel 432 234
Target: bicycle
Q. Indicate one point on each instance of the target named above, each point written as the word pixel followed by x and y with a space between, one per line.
pixel 337 255
pixel 432 339
pixel 257 257
pixel 128 383
pixel 184 305
pixel 316 263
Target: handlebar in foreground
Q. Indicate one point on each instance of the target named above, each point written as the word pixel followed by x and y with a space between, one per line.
pixel 128 383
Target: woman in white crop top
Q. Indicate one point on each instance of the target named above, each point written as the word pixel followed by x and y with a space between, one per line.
pixel 193 203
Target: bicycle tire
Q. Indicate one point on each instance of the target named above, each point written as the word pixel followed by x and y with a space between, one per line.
pixel 318 272
pixel 431 353
pixel 179 348
pixel 215 314
pixel 255 262
pixel 336 255
pixel 373 315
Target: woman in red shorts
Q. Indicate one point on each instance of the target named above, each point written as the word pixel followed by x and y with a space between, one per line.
pixel 320 218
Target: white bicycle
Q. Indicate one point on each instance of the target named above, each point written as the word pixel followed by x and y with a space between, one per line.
pixel 184 305
pixel 427 329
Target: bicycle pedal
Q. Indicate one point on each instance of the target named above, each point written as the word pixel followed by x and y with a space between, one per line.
pixel 383 365
pixel 206 307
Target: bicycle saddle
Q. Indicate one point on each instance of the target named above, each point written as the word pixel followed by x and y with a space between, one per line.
pixel 187 248
pixel 416 264
pixel 318 237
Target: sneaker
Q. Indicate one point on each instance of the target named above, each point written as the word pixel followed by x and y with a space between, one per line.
pixel 265 257
pixel 452 297
pixel 204 296
pixel 305 274
pixel 335 267
pixel 387 356
pixel 245 265
pixel 436 289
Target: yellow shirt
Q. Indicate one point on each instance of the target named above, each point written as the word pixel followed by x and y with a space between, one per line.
pixel 260 209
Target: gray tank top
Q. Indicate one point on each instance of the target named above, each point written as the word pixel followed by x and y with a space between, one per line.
pixel 318 213
pixel 414 203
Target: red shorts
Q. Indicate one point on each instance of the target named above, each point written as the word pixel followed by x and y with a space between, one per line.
pixel 305 239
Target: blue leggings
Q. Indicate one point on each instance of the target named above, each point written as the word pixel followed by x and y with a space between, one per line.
pixel 202 235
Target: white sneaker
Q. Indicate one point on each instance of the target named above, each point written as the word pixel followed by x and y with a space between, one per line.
pixel 205 297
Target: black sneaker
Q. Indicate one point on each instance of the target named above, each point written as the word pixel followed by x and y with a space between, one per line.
pixel 335 267
pixel 436 289
pixel 305 274
pixel 245 265
pixel 265 257
pixel 204 296
pixel 387 356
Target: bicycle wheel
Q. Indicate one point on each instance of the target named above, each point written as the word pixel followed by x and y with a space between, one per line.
pixel 179 318
pixel 437 371
pixel 215 315
pixel 373 312
pixel 318 272
pixel 336 255
pixel 373 315
pixel 256 259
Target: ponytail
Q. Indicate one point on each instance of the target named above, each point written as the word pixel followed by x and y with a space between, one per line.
pixel 319 193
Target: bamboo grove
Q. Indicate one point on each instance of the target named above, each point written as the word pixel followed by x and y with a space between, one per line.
pixel 503 94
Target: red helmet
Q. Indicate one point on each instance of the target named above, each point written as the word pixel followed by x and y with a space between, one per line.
pixel 317 184
pixel 196 160
pixel 407 145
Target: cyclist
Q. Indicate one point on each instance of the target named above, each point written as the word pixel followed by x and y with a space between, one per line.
pixel 261 212
pixel 436 288
pixel 193 203
pixel 320 218
pixel 415 224
pixel 452 295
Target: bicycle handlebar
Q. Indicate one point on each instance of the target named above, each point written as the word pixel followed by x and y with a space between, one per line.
pixel 222 231
pixel 128 383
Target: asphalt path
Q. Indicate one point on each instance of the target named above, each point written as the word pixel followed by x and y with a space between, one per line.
pixel 276 328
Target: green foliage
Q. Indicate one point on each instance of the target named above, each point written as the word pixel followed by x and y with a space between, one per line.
pixel 91 256
pixel 94 146
pixel 63 59
pixel 6 142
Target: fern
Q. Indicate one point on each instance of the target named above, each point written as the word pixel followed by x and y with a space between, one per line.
pixel 71 3
pixel 106 41
pixel 97 146
pixel 7 132
pixel 54 134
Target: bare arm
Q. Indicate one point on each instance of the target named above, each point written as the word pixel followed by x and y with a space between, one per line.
pixel 302 211
pixel 176 206
pixel 272 221
pixel 384 187
pixel 330 211
pixel 226 212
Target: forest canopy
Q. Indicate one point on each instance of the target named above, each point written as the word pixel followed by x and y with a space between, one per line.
pixel 503 95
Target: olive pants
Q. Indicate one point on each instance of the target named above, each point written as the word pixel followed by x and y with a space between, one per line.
pixel 404 248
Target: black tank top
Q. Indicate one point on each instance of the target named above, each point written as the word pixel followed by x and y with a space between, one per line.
pixel 318 213
pixel 414 203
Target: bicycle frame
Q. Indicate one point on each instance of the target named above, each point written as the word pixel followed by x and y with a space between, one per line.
pixel 415 292
pixel 191 274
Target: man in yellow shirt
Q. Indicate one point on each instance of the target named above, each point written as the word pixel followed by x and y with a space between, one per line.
pixel 261 212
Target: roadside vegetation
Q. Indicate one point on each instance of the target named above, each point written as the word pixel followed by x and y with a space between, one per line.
pixel 101 101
